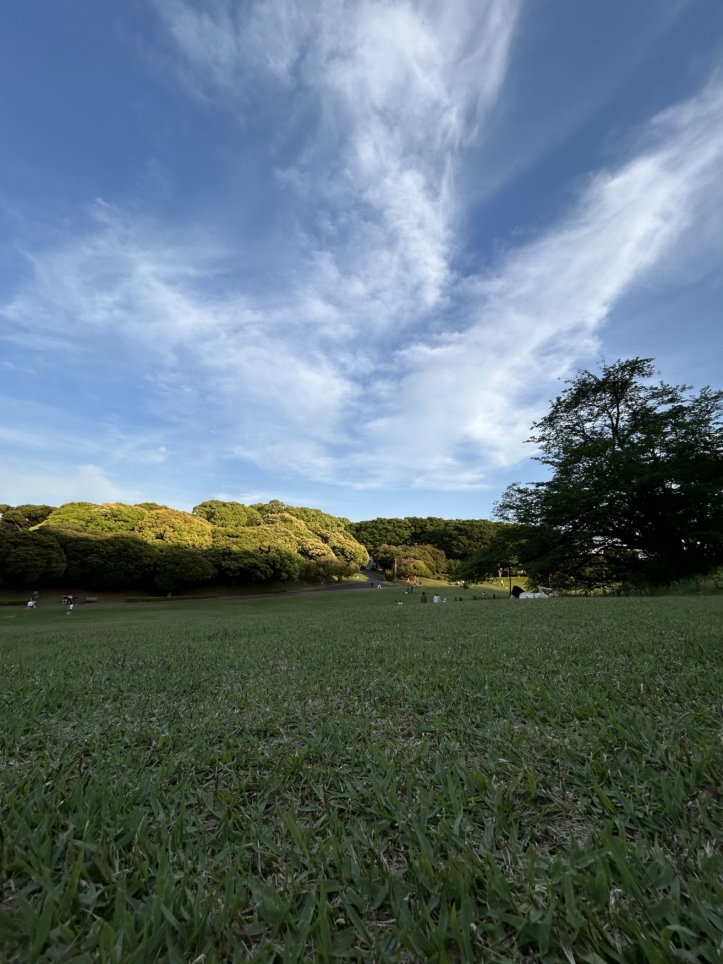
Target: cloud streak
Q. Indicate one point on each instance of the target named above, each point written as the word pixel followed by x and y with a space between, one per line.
pixel 393 90
pixel 538 313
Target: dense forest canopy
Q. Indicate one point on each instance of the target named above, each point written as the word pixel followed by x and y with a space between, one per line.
pixel 118 546
pixel 457 539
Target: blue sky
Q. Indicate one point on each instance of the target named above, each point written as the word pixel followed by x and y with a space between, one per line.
pixel 341 253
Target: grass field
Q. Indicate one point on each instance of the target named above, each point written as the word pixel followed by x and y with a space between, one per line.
pixel 331 776
pixel 51 598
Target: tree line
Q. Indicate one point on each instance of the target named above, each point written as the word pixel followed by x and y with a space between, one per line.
pixel 422 546
pixel 148 546
pixel 116 546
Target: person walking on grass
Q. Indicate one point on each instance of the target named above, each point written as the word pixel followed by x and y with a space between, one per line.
pixel 424 597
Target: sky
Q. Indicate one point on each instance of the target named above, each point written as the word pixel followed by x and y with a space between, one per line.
pixel 342 253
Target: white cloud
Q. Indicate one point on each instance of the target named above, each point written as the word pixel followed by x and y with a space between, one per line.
pixel 529 321
pixel 50 483
pixel 373 361
pixel 397 89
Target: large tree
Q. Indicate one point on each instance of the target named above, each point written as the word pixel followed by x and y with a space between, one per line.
pixel 228 514
pixel 373 533
pixel 28 558
pixel 178 566
pixel 637 477
pixel 107 560
pixel 459 538
pixel 25 516
pixel 412 560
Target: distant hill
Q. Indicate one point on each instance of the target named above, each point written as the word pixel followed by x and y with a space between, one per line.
pixel 118 546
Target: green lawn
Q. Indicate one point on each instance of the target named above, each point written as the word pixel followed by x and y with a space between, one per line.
pixel 331 776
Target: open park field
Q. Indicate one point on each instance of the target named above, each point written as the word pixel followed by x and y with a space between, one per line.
pixel 323 777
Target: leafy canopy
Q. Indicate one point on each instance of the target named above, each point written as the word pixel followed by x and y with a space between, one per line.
pixel 636 490
pixel 29 558
pixel 412 560
pixel 25 516
pixel 457 538
pixel 116 546
pixel 178 566
pixel 106 560
pixel 228 514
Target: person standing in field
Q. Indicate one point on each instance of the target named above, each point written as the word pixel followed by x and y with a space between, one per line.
pixel 424 597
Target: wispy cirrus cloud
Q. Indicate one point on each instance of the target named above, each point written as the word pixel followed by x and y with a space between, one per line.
pixel 393 91
pixel 370 358
pixel 539 312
